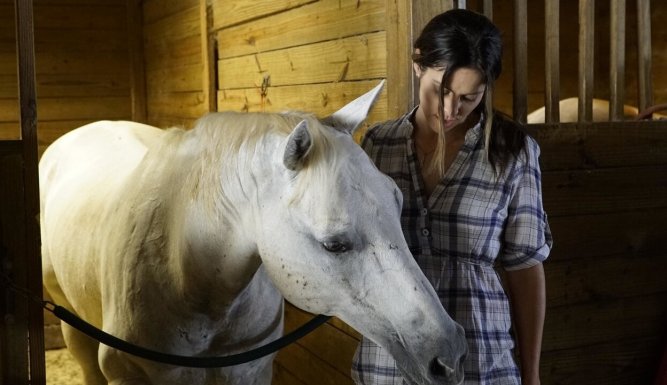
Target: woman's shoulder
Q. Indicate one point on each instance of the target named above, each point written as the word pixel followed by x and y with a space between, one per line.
pixel 389 129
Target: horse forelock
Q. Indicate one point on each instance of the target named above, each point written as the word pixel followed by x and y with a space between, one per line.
pixel 230 139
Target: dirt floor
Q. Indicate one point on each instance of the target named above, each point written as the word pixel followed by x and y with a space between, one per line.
pixel 61 369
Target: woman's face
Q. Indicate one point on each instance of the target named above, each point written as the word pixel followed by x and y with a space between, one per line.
pixel 462 95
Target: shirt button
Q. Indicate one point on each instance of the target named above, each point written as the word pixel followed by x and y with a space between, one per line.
pixel 424 211
pixel 425 232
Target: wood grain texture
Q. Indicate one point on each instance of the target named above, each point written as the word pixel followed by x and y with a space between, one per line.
pixel 353 58
pixel 312 23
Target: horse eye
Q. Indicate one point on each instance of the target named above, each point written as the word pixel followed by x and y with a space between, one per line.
pixel 335 247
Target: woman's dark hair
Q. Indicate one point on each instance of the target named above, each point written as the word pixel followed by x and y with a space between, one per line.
pixel 461 38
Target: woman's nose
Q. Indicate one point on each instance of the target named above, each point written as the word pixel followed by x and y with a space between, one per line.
pixel 451 107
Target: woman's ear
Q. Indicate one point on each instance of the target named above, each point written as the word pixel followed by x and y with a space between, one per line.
pixel 417 69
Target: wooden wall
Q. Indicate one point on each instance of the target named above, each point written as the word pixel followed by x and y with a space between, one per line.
pixel 176 64
pixel 605 191
pixel 299 54
pixel 604 186
pixel 82 70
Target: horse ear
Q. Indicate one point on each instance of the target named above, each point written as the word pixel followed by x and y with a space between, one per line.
pixel 298 144
pixel 349 118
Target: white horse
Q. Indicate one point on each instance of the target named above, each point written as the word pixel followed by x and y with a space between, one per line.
pixel 186 242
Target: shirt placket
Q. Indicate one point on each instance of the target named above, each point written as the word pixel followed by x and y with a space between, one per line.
pixel 423 222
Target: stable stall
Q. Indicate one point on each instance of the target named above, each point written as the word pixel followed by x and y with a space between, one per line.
pixel 168 62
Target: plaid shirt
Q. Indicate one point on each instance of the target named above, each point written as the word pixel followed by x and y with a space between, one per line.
pixel 470 223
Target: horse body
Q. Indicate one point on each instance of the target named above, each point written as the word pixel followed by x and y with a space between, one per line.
pixel 186 242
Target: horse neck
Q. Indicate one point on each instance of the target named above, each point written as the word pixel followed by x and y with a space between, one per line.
pixel 218 245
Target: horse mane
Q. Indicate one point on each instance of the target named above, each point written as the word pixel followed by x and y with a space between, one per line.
pixel 230 139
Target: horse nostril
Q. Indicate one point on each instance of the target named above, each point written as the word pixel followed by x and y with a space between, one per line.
pixel 440 369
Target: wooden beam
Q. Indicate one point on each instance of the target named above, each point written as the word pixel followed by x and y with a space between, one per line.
pixel 422 12
pixel 25 48
pixel 208 56
pixel 400 77
pixel 520 85
pixel 616 59
pixel 586 59
pixel 644 54
pixel 136 53
pixel 551 61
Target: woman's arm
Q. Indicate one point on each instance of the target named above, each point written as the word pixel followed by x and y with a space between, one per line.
pixel 527 291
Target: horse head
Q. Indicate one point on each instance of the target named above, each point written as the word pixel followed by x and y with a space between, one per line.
pixel 332 243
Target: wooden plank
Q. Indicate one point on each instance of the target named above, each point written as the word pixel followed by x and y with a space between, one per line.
pixel 609 234
pixel 9 112
pixel 208 55
pixel 137 68
pixel 355 58
pixel 77 2
pixel 230 13
pixel 568 193
pixel 644 61
pixel 155 10
pixel 189 105
pixel 320 99
pixel 422 12
pixel 282 376
pixel 520 76
pixel 174 54
pixel 173 27
pixel 69 63
pixel 81 17
pixel 601 145
pixel 400 85
pixel 551 61
pixel 95 40
pixel 580 325
pixel 14 363
pixel 182 79
pixel 112 107
pixel 309 368
pixel 586 59
pixel 585 279
pixel 311 23
pixel 10 130
pixel 334 347
pixel 66 85
pixel 30 259
pixel 487 8
pixel 49 131
pixel 614 362
pixel 616 60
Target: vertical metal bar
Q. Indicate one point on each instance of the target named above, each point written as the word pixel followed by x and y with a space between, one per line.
pixel 460 4
pixel 616 59
pixel 520 86
pixel 551 62
pixel 586 59
pixel 644 54
pixel 25 48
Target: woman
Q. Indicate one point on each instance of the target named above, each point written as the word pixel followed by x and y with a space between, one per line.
pixel 472 200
